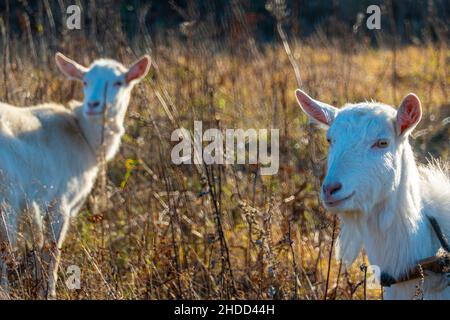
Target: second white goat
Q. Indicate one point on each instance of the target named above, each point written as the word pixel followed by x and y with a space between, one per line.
pixel 51 154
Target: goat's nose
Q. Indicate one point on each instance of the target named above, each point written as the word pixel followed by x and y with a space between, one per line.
pixel 331 188
pixel 93 104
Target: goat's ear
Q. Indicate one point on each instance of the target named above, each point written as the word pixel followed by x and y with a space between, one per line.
pixel 317 111
pixel 139 69
pixel 69 67
pixel 408 114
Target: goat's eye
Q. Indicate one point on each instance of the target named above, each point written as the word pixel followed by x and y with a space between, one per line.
pixel 381 144
pixel 84 83
pixel 329 140
pixel 118 83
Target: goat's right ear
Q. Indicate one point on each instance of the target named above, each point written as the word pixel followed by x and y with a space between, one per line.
pixel 318 112
pixel 69 67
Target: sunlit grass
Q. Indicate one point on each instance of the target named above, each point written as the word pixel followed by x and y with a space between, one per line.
pixel 278 236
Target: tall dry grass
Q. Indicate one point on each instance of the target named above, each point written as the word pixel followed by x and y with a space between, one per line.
pixel 210 232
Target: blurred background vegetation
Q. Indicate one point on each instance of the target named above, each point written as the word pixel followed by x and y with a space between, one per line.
pixel 224 231
pixel 411 21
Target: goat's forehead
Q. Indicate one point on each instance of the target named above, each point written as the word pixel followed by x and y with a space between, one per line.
pixel 364 118
pixel 106 68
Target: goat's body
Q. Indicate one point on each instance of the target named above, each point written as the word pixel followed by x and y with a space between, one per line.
pixel 44 145
pixel 410 238
pixel 47 169
pixel 407 243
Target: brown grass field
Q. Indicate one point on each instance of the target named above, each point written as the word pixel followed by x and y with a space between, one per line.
pixel 155 230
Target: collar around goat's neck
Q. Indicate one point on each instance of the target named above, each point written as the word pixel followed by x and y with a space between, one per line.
pixel 439 263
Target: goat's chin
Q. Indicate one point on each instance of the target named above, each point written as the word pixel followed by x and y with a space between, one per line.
pixel 346 206
pixel 90 114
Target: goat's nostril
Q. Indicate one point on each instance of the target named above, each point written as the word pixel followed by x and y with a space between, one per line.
pixel 94 104
pixel 336 187
pixel 332 188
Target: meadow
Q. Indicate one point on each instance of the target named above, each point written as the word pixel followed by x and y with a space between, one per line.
pixel 155 230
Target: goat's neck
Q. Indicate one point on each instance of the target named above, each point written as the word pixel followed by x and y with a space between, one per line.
pixel 103 134
pixel 397 233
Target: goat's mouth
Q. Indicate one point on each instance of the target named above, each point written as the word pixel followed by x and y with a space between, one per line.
pixel 93 113
pixel 335 203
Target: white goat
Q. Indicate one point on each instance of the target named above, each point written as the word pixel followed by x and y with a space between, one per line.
pixel 384 197
pixel 50 156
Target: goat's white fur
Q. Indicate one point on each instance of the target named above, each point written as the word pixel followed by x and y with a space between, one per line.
pixel 50 155
pixel 392 195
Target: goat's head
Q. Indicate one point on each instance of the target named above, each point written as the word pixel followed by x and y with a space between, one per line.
pixel 106 83
pixel 367 142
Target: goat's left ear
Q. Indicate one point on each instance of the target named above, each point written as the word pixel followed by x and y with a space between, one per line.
pixel 409 114
pixel 139 69
pixel 318 112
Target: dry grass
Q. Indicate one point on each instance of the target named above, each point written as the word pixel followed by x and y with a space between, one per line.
pixel 162 237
